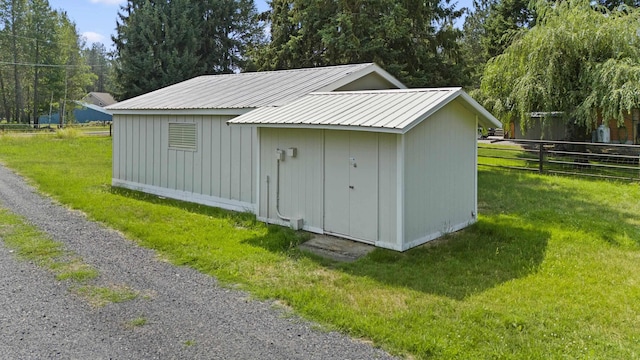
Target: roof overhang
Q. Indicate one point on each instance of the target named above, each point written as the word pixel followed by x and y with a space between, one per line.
pixel 296 115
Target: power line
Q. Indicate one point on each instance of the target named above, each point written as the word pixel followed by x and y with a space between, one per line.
pixel 48 65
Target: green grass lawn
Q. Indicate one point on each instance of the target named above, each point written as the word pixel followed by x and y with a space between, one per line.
pixel 551 270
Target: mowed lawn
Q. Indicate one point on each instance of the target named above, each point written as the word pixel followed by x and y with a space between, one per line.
pixel 551 270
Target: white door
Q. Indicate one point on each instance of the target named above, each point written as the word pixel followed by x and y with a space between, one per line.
pixel 351 184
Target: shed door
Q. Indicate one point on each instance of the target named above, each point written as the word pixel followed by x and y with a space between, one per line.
pixel 351 184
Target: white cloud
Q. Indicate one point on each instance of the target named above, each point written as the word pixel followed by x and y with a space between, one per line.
pixel 93 37
pixel 108 2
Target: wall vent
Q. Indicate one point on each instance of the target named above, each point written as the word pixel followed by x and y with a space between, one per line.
pixel 182 136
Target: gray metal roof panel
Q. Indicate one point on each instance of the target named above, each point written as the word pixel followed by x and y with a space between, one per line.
pixel 244 90
pixel 388 110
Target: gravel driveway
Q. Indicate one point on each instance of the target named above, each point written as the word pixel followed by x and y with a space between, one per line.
pixel 188 315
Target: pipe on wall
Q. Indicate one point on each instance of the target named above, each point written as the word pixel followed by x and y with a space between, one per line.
pixel 278 192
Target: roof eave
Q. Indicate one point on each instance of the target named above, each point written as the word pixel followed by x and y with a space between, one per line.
pixel 227 111
pixel 319 127
pixel 485 118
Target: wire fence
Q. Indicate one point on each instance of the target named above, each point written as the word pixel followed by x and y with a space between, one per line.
pixel 596 160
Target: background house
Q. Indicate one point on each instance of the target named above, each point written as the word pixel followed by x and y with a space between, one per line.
pixel 99 99
pixel 552 126
pixel 82 113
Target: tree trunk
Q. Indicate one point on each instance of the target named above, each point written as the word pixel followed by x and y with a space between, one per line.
pixel 16 75
pixel 35 86
pixel 5 102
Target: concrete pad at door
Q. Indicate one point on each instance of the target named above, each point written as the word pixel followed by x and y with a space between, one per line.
pixel 335 248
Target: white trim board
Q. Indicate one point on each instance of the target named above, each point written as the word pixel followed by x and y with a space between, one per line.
pixel 187 196
pixel 279 222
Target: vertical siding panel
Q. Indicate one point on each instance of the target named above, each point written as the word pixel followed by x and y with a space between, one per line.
pixel 216 157
pixel 148 162
pixel 164 151
pixel 205 156
pixel 387 188
pixel 440 170
pixel 129 153
pixel 115 152
pixel 254 162
pixel 188 169
pixel 315 180
pixel 246 164
pixel 123 146
pixel 157 150
pixel 236 148
pixel 262 153
pixel 197 158
pixel 181 164
pixel 172 168
pixel 135 151
pixel 300 178
pixel 267 166
pixel 225 160
pixel 142 154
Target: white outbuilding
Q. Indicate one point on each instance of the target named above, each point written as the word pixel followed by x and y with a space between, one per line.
pixel 393 168
pixel 174 142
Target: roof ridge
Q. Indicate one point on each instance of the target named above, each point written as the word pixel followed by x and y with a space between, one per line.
pixel 252 73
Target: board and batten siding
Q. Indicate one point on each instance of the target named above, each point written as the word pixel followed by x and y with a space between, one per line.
pixel 387 190
pixel 219 172
pixel 440 175
pixel 301 178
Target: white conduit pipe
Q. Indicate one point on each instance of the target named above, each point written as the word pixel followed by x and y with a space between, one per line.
pixel 278 193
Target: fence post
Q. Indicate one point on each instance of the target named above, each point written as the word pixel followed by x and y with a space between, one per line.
pixel 110 129
pixel 541 159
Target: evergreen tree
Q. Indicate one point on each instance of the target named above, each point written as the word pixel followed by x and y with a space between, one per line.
pixel 164 42
pixel 414 40
pixel 505 20
pixel 101 65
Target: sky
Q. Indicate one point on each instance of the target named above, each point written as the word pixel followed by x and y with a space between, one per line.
pixel 96 19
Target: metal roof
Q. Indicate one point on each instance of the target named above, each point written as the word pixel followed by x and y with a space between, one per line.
pixel 250 90
pixel 382 110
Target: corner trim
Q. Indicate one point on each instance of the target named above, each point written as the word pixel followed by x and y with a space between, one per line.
pixel 436 235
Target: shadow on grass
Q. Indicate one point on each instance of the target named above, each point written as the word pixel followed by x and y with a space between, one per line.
pixel 458 265
pixel 603 209
pixel 519 213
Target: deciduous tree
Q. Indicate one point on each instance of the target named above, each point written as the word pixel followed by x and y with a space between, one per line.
pixel 578 59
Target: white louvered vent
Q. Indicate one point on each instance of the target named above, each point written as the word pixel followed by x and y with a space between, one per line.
pixel 182 136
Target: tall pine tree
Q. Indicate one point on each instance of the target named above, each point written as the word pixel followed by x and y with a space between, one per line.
pixel 160 43
pixel 414 40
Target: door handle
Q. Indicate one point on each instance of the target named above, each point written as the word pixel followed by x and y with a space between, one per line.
pixel 350 186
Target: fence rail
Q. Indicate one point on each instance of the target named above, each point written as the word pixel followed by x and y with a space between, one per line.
pixel 596 160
